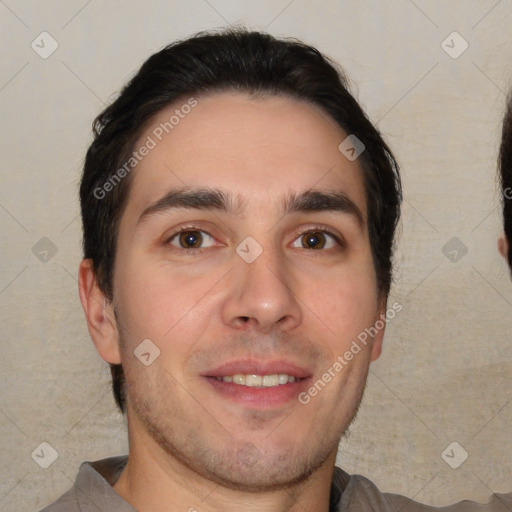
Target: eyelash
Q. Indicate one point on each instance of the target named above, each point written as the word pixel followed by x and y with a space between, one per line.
pixel 196 252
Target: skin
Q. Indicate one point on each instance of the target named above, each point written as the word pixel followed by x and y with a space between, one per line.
pixel 191 447
pixel 503 246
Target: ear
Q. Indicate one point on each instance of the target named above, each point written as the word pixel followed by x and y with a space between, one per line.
pixel 503 246
pixel 380 325
pixel 99 314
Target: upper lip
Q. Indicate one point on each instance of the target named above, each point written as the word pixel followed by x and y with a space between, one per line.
pixel 254 367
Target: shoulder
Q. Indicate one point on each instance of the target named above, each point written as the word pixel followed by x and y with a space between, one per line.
pixel 92 490
pixel 68 502
pixel 361 494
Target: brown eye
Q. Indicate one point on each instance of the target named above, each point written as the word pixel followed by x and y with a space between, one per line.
pixel 316 240
pixel 191 239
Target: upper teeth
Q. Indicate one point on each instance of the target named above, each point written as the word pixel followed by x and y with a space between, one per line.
pixel 258 380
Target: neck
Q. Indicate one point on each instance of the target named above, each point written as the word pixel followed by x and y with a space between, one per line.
pixel 154 481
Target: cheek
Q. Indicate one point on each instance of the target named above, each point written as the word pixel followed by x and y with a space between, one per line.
pixel 159 302
pixel 344 302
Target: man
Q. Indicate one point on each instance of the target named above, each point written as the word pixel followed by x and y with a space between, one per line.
pixel 239 212
pixel 505 168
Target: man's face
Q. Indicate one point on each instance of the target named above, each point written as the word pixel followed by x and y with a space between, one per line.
pixel 214 313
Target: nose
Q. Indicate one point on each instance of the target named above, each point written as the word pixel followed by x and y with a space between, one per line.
pixel 261 294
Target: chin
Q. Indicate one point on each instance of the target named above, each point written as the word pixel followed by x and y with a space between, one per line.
pixel 250 470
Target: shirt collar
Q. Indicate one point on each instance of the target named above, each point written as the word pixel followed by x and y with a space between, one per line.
pixel 94 491
pixel 93 486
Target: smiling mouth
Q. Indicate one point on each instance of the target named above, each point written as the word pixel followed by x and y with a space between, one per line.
pixel 259 381
pixel 259 385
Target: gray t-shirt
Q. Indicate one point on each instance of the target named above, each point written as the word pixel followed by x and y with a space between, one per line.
pixel 92 491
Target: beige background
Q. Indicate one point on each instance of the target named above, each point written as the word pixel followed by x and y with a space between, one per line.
pixel 446 370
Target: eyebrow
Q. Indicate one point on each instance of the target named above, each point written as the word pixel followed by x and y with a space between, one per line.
pixel 225 201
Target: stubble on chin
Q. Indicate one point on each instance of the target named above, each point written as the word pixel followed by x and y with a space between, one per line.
pixel 208 449
pixel 197 441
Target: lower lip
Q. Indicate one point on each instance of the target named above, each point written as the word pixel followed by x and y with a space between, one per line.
pixel 259 397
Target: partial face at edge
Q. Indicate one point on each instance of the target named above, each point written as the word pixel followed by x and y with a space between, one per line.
pixel 293 310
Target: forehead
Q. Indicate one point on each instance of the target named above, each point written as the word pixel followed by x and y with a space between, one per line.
pixel 256 148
